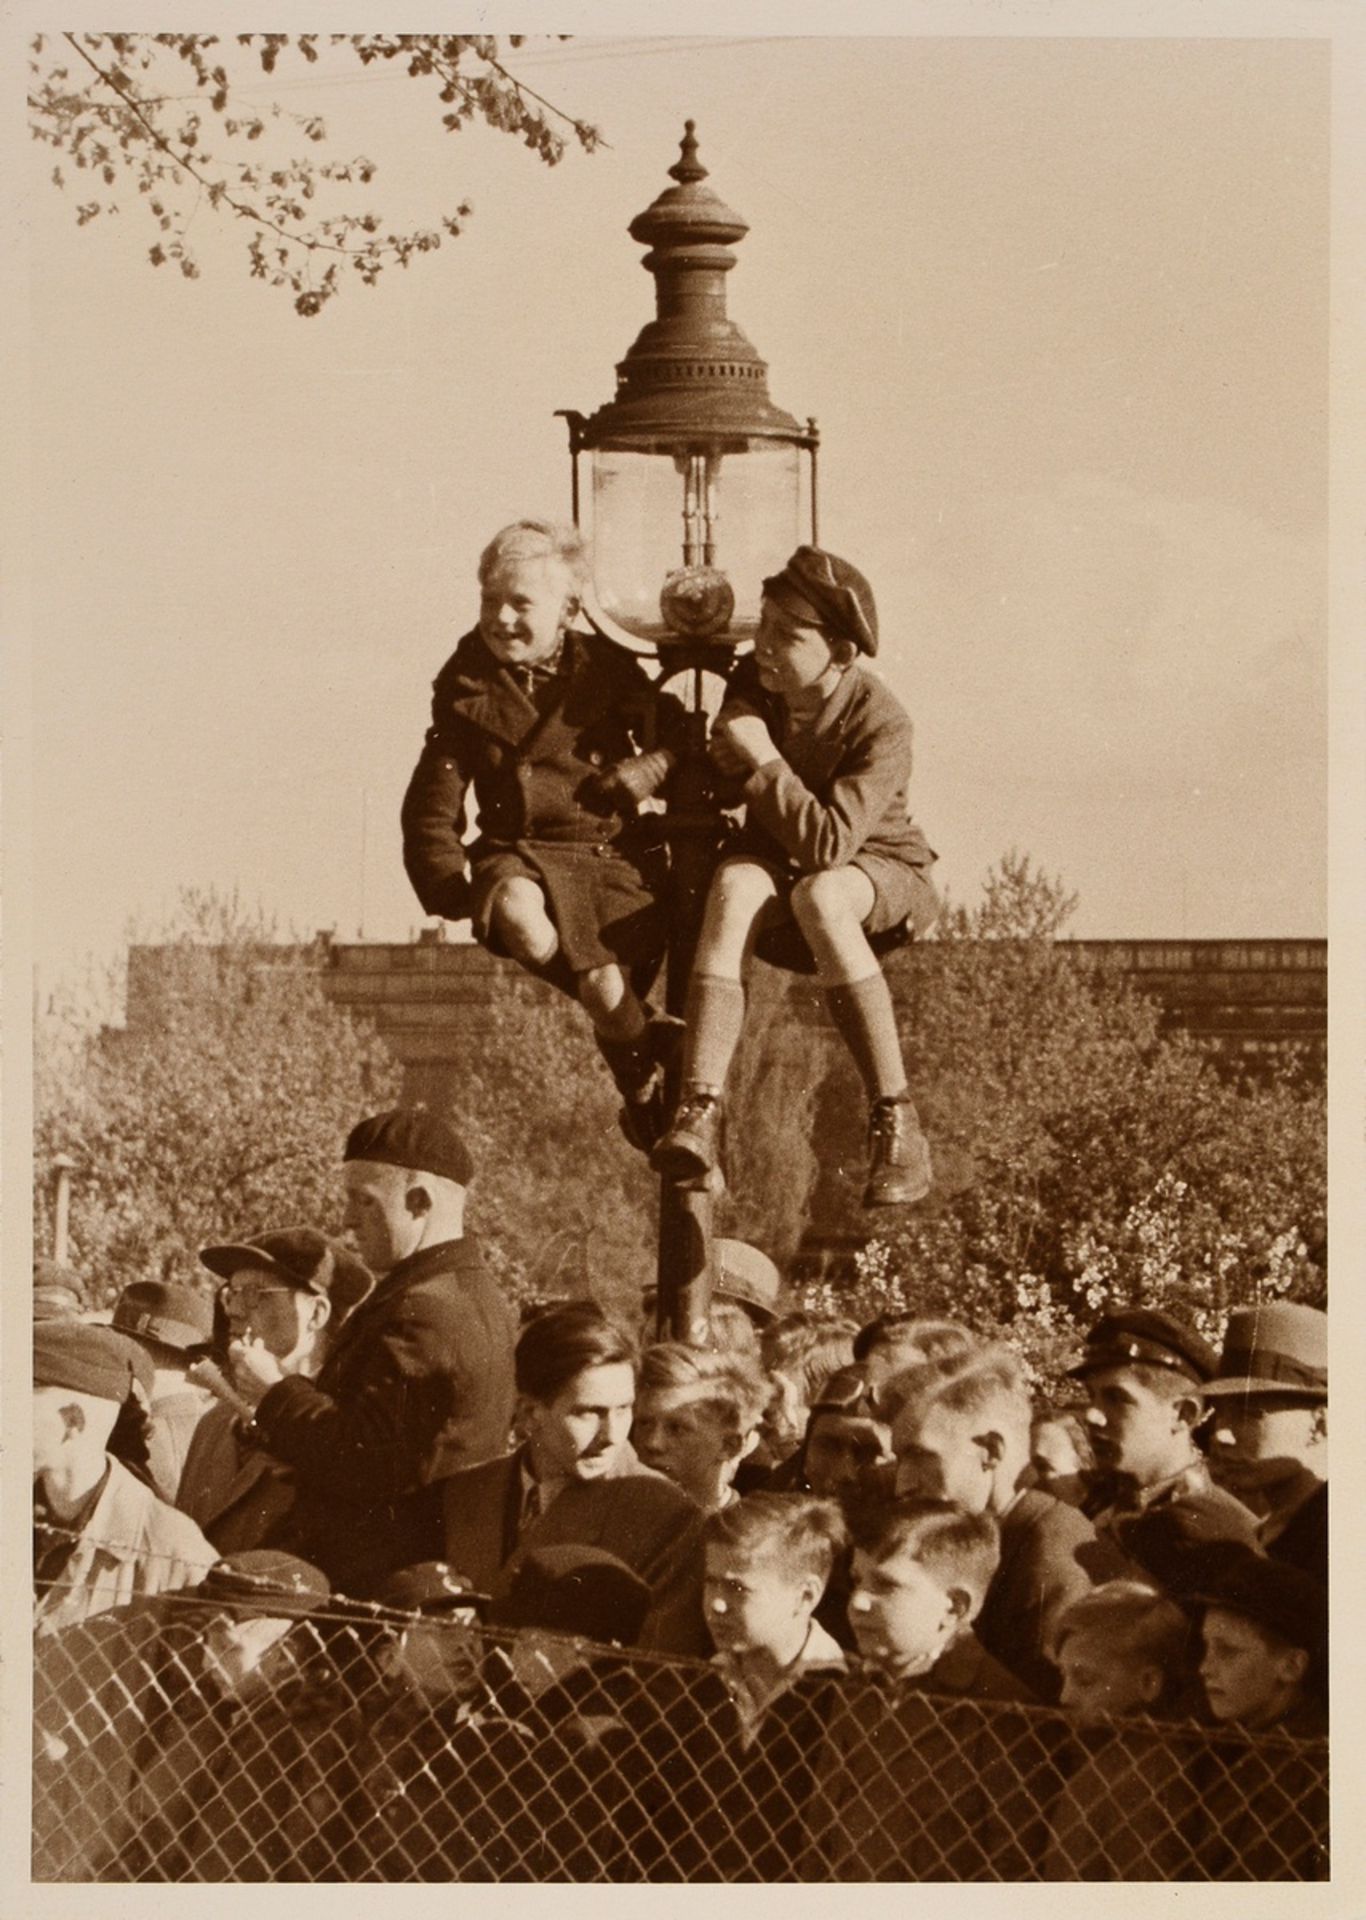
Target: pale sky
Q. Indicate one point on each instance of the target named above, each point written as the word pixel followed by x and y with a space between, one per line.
pixel 1059 305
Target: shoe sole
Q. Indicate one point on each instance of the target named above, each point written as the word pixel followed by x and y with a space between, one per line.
pixel 680 1159
pixel 896 1196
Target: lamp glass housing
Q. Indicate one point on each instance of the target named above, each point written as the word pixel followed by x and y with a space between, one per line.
pixel 736 506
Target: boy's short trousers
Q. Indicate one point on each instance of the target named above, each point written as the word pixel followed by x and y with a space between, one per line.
pixel 905 906
pixel 608 905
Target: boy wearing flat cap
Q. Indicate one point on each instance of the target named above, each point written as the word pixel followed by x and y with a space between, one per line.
pixel 824 752
pixel 419 1383
pixel 1270 1440
pixel 1145 1374
pixel 290 1289
pixel 101 1538
pixel 174 1325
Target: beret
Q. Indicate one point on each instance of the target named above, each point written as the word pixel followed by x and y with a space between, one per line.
pixel 1278 1347
pixel 159 1310
pixel 415 1138
pixel 85 1359
pixel 1144 1336
pixel 429 1587
pixel 837 591
pixel 576 1590
pixel 300 1256
pixel 265 1581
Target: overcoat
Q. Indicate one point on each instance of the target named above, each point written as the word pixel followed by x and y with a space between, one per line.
pixel 418 1385
pixel 533 764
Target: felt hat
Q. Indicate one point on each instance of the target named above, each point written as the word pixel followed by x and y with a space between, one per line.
pixel 748 1277
pixel 265 1581
pixel 86 1359
pixel 429 1586
pixel 159 1310
pixel 412 1137
pixel 575 1590
pixel 1281 1599
pixel 1277 1347
pixel 300 1256
pixel 1144 1336
pixel 834 589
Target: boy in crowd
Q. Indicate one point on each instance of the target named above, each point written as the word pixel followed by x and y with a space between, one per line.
pixel 799 1352
pixel 1145 1374
pixel 1123 1654
pixel 101 1537
pixel 1270 1440
pixel 927 1770
pixel 963 1435
pixel 1265 1636
pixel 697 1417
pixel 174 1327
pixel 291 1289
pixel 768 1559
pixel 1062 1459
pixel 895 1341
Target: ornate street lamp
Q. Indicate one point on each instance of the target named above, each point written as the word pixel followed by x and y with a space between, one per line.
pixel 697 491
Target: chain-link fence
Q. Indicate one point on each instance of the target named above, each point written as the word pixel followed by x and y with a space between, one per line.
pixel 176 1743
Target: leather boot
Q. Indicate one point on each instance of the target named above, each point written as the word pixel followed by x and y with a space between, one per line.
pixel 634 1068
pixel 689 1149
pixel 898 1155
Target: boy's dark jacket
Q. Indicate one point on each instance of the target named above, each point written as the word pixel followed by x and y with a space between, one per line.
pixel 419 1384
pixel 534 774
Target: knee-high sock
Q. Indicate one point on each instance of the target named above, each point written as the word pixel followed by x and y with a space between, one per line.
pixel 866 1022
pixel 715 1015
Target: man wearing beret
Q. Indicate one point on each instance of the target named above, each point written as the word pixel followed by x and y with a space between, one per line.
pixel 101 1538
pixel 828 871
pixel 419 1383
pixel 291 1289
pixel 1270 1441
pixel 1145 1373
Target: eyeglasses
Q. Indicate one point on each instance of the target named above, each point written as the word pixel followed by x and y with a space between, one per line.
pixel 248 1295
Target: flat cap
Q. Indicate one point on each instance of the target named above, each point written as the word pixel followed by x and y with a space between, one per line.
pixel 746 1275
pixel 575 1590
pixel 265 1581
pixel 414 1138
pixel 1144 1336
pixel 303 1258
pixel 429 1586
pixel 93 1360
pixel 1278 1347
pixel 1282 1600
pixel 159 1310
pixel 836 591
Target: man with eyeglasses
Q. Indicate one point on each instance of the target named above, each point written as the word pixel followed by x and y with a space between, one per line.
pixel 289 1289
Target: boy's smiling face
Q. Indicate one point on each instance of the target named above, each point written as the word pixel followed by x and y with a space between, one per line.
pixel 756 1603
pixel 902 1618
pixel 523 607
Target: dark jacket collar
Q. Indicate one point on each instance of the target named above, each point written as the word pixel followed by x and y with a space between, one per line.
pixel 480 688
pixel 443 1256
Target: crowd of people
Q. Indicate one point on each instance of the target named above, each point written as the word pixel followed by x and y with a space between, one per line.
pixel 830 1572
pixel 429 1593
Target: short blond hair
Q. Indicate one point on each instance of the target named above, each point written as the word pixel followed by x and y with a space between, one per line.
pixel 729 1386
pixel 538 540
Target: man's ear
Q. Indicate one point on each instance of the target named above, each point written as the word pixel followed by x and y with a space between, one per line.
pixel 993 1447
pixel 811 1589
pixel 319 1312
pixel 1149 1683
pixel 417 1200
pixel 1319 1429
pixel 1188 1410
pixel 960 1602
pixel 748 1444
pixel 73 1418
pixel 1293 1664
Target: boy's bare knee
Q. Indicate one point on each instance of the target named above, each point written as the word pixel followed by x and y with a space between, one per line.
pixel 824 899
pixel 738 885
pixel 602 989
pixel 523 926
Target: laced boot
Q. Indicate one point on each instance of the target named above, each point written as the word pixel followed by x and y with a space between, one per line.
pixel 635 1070
pixel 688 1151
pixel 898 1154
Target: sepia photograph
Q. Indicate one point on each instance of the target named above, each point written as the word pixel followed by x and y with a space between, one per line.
pixel 680 763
